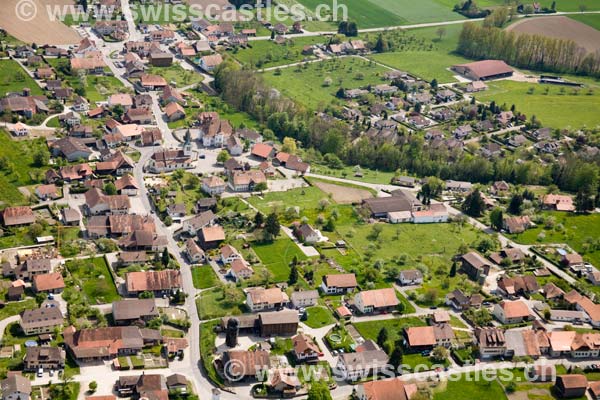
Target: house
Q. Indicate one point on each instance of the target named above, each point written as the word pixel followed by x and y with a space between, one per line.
pixel 33 267
pixel 132 257
pixel 278 323
pixel 243 181
pixel 475 86
pixel 151 137
pixel 205 204
pixel 127 312
pixel 284 381
pixel 491 342
pixel 161 59
pixel 210 62
pixel 484 70
pixel 259 299
pixel 436 213
pixel 19 129
pixel 211 236
pixel 91 65
pixel 16 387
pixel 245 364
pixel 459 301
pixel 262 151
pixel 572 260
pixel 504 118
pixel 213 185
pixel 152 82
pixel 194 253
pixel 499 188
pixel 144 386
pixel 106 343
pixel 97 203
pixel 305 348
pixel 239 270
pixel 174 112
pixel 514 255
pixel 18 216
pixel 475 266
pixel 214 131
pixel 198 222
pixel 305 298
pixel 127 185
pixel 24 104
pixel 377 300
pixel 169 160
pixel 410 277
pixel 146 240
pixel 176 211
pixel 339 283
pixel 357 366
pixel 70 173
pixel 517 140
pixel 518 286
pixel 386 389
pixel 571 386
pixel 177 382
pixel 44 357
pixel 48 283
pixel 558 202
pixel 71 148
pixel 422 338
pixel 159 282
pixel 512 312
pixel 228 254
pixel 551 291
pixel 41 320
pixel 306 234
pixel 123 100
pixel 399 201
pixel 141 116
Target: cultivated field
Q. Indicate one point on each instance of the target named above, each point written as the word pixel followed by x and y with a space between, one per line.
pixel 343 194
pixel 41 29
pixel 561 28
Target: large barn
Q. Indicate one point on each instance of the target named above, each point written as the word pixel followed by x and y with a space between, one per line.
pixel 484 70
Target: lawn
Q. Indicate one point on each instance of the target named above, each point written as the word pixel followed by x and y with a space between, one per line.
pixel 318 317
pixel 266 53
pixel 560 108
pixel 577 230
pixel 380 13
pixel 424 54
pixel 175 73
pixel 15 308
pixel 592 20
pixel 20 169
pixel 204 277
pixel 370 329
pixel 278 255
pixel 207 345
pixel 465 388
pixel 316 84
pixel 14 79
pixel 94 278
pixel 213 304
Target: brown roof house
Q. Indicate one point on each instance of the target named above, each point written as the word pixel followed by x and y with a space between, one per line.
pixel 126 312
pixel 512 312
pixel 278 323
pixel 571 386
pixel 484 70
pixel 16 387
pixel 211 236
pixel 259 299
pixel 41 320
pixel 305 348
pixel 159 282
pixel 475 266
pixel 518 285
pixel 377 300
pixel 18 216
pixel 44 357
pixel 338 283
pixel 245 364
pixel 386 389
pixel 48 283
pixel 355 366
pixel 491 342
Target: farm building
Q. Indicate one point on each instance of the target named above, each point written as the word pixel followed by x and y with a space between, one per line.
pixel 484 70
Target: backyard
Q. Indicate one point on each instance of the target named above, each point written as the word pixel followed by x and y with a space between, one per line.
pixel 319 317
pixel 14 79
pixel 93 277
pixel 278 255
pixel 204 277
pixel 219 302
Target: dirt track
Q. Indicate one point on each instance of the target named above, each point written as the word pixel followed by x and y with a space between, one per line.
pixel 562 28
pixel 40 30
pixel 343 194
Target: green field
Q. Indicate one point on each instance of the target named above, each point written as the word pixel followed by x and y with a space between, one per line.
pixel 592 20
pixel 95 279
pixel 204 277
pixel 319 317
pixel 370 329
pixel 266 53
pixel 577 230
pixel 277 256
pixel 213 304
pixel 14 79
pixel 307 85
pixel 175 73
pixel 425 54
pixel 472 388
pixel 380 13
pixel 560 108
pixel 165 14
pixel 20 169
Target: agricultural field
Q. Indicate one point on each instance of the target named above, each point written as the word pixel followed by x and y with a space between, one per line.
pixel 578 231
pixel 560 27
pixel 556 107
pixel 18 167
pixel 316 84
pixel 343 194
pixel 13 79
pixel 426 52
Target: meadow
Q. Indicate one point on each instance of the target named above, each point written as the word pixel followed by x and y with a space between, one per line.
pixel 278 255
pixel 266 53
pixel 14 79
pixel 592 20
pixel 556 107
pixel 316 84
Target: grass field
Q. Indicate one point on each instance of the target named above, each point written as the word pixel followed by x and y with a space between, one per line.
pixel 213 304
pixel 592 20
pixel 307 85
pixel 370 329
pixel 266 53
pixel 577 229
pixel 21 170
pixel 204 277
pixel 560 108
pixel 428 56
pixel 318 317
pixel 277 256
pixel 95 279
pixel 176 73
pixel 14 79
pixel 469 389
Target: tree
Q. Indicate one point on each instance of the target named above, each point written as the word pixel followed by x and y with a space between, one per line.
pixel 318 391
pixel 453 269
pixel 293 278
pixel 381 46
pixel 397 354
pixel 583 201
pixel 40 158
pixel 146 295
pixel 110 189
pixel 329 225
pixel 259 219
pixel 434 83
pixel 165 258
pixel 223 156
pixel 473 204
pixel 93 386
pixel 260 187
pixel 516 202
pixel 441 32
pixel 439 354
pixel 382 336
pixel 496 218
pixel 289 145
pixel 272 226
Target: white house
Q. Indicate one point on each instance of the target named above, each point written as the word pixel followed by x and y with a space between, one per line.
pixel 213 185
pixel 16 387
pixel 339 283
pixel 194 252
pixel 229 254
pixel 305 298
pixel 410 277
pixel 19 129
pixel 239 270
pixel 260 299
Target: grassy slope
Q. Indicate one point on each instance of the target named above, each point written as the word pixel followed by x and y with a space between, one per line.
pixel 554 109
pixel 307 85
